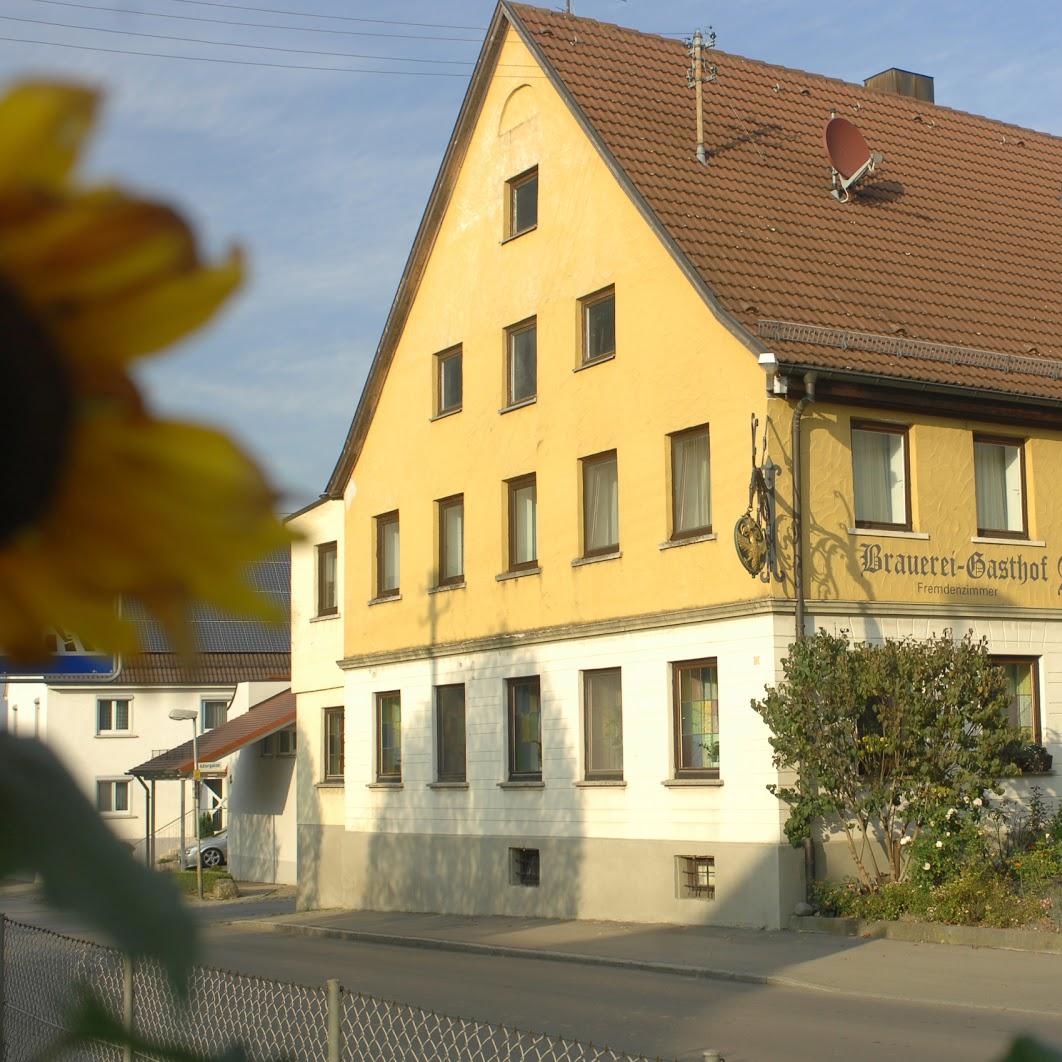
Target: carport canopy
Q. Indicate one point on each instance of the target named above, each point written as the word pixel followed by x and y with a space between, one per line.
pixel 263 719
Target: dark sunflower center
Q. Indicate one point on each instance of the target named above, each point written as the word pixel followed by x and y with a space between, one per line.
pixel 36 416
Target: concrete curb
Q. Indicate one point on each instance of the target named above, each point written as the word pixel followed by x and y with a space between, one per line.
pixel 510 952
pixel 931 933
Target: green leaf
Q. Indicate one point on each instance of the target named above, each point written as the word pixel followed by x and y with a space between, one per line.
pixel 1026 1049
pixel 48 828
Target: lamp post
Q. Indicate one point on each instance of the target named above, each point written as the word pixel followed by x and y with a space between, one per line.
pixel 191 714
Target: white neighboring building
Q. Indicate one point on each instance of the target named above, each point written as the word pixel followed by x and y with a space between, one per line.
pixel 101 731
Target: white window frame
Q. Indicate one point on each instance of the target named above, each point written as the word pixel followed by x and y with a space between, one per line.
pixel 113 732
pixel 113 780
pixel 203 728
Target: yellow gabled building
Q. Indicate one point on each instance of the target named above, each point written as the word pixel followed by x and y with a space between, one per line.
pixel 549 572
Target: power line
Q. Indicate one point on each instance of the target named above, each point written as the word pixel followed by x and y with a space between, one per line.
pixel 249 62
pixel 238 44
pixel 336 18
pixel 260 25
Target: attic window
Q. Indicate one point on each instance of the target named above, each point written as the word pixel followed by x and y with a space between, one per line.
pixel 522 207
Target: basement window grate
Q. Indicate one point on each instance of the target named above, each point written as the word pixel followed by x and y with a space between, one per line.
pixel 696 877
pixel 523 866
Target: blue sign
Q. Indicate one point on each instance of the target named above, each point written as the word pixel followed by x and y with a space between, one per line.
pixel 70 662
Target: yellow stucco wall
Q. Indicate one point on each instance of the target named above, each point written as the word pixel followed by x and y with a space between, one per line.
pixel 948 568
pixel 676 366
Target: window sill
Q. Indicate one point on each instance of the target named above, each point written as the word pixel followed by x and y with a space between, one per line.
pixel 888 533
pixel 121 734
pixel 444 414
pixel 383 599
pixel 580 561
pixel 330 784
pixel 596 361
pixel 691 783
pixel 519 405
pixel 989 541
pixel 447 586
pixel 117 815
pixel 521 785
pixel 324 617
pixel 384 785
pixel 600 783
pixel 517 235
pixel 519 574
pixel 708 536
pixel 448 785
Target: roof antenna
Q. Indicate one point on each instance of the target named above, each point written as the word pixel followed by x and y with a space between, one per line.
pixel 699 73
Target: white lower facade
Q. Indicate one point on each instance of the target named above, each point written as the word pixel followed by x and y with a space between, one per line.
pixel 614 850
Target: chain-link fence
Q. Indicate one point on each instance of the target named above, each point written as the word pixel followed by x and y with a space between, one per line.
pixel 43 974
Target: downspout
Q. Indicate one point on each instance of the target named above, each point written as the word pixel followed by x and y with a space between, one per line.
pixel 798 573
pixel 798 503
pixel 147 819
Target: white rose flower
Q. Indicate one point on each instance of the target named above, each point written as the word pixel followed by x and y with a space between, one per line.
pixel 925 866
pixel 940 844
pixel 977 802
pixel 905 840
pixel 951 811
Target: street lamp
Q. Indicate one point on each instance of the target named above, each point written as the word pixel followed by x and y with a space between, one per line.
pixel 181 714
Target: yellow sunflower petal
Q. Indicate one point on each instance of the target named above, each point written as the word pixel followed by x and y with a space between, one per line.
pixel 42 127
pixel 93 247
pixel 149 318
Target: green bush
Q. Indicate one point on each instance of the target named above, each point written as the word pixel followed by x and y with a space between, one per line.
pixel 981 897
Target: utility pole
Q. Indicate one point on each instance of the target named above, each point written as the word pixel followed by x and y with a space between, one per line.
pixel 696 76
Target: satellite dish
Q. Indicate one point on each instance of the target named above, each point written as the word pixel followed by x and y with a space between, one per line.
pixel 849 155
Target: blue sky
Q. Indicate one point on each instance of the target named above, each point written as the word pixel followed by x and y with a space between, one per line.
pixel 322 176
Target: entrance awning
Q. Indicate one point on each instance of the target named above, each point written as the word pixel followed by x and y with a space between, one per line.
pixel 265 718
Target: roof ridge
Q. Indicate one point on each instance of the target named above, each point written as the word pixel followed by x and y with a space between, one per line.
pixel 890 97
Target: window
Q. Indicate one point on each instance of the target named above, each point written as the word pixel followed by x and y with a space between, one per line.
pixel 523 202
pixel 448 381
pixel 882 476
pixel 451 540
pixel 999 475
pixel 112 716
pixel 696 719
pixel 600 504
pixel 212 801
pixel 334 742
pixel 389 737
pixel 696 877
pixel 603 724
pixel 213 713
pixel 523 866
pixel 387 555
pixel 525 729
pixel 450 730
pixel 691 500
pixel 1023 687
pixel 112 797
pixel 521 357
pixel 599 326
pixel 523 523
pixel 327 597
pixel 285 741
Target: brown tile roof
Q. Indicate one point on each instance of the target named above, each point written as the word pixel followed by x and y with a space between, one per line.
pixel 206 669
pixel 957 238
pixel 263 719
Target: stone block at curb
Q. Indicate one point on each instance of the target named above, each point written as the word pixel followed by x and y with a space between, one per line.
pixel 932 933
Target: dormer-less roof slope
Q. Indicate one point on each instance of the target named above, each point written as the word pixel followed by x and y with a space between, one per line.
pixel 957 239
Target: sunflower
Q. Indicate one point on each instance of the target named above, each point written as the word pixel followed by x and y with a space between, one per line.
pixel 101 498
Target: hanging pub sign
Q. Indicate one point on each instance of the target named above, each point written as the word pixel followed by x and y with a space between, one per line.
pixel 755 536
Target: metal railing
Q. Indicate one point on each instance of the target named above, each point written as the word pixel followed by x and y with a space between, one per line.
pixel 42 974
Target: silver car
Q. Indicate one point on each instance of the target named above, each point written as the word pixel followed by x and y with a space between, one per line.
pixel 215 851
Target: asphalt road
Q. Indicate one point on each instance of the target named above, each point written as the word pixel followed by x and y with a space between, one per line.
pixel 655 1014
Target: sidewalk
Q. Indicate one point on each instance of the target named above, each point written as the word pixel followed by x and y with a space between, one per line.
pixel 935 974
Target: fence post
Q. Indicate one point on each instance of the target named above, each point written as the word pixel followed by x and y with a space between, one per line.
pixel 3 998
pixel 334 1026
pixel 127 1004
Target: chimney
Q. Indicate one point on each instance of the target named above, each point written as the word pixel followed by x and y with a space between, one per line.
pixel 902 83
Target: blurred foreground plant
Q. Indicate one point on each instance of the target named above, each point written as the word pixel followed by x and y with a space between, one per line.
pixel 101 498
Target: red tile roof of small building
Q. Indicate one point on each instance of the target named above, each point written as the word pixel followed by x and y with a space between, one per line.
pixel 205 669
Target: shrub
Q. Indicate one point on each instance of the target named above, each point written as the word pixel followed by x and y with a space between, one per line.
pixel 978 896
